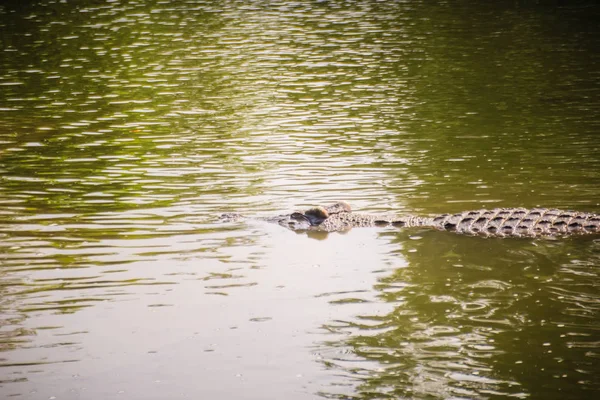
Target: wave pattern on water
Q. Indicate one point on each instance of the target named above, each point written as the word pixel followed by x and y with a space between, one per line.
pixel 474 325
pixel 127 127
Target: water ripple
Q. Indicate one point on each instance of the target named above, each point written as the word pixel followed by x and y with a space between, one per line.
pixel 126 128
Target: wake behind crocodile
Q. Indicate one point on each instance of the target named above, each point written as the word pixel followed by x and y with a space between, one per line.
pixel 498 222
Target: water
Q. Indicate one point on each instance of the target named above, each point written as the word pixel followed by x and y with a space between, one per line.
pixel 127 127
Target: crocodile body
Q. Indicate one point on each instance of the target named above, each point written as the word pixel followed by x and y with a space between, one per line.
pixel 499 222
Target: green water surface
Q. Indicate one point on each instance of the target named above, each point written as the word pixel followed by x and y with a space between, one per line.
pixel 128 127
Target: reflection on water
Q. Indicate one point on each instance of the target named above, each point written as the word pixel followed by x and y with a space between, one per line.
pixel 127 127
pixel 516 320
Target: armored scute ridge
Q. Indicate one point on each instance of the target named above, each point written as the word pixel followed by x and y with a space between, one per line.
pixel 519 222
pixel 499 222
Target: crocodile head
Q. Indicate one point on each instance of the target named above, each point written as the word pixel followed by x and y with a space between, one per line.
pixel 311 218
pixel 302 220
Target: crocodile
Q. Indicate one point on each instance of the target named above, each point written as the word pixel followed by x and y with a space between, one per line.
pixel 498 222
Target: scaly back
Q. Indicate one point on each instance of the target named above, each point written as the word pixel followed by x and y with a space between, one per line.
pixel 502 222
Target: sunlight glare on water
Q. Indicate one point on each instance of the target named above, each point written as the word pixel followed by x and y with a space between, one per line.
pixel 128 127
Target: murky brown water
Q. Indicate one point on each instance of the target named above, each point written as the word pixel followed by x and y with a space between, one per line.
pixel 127 127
